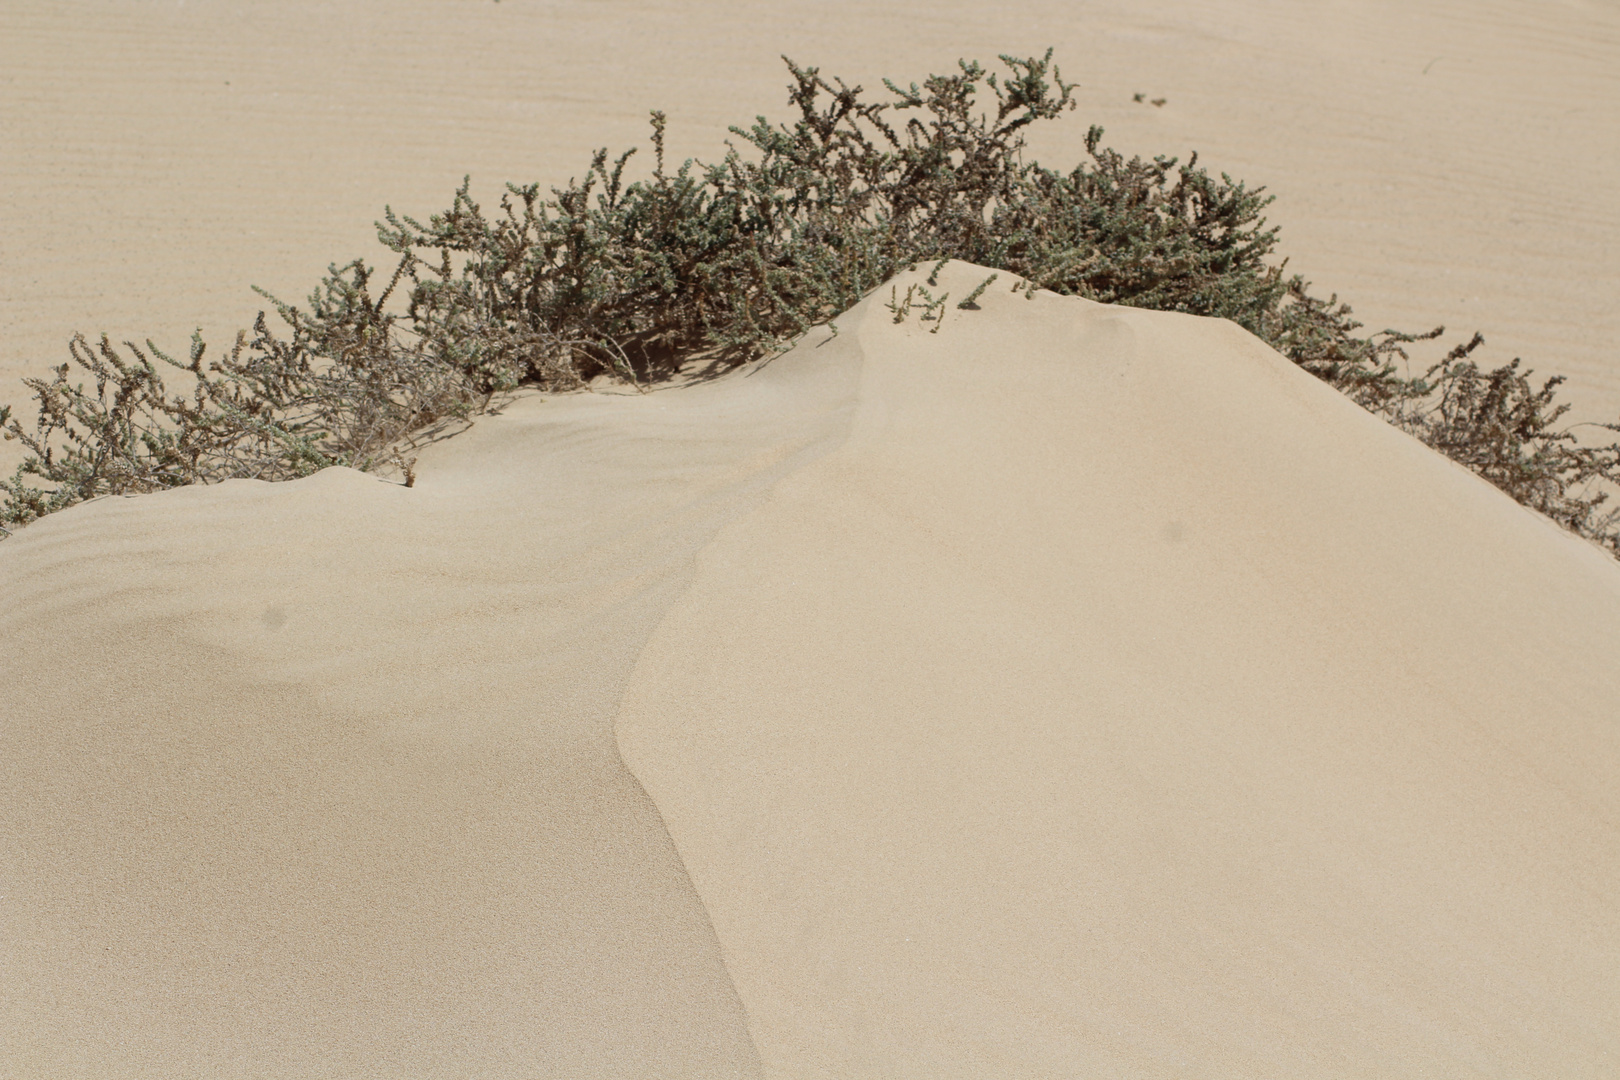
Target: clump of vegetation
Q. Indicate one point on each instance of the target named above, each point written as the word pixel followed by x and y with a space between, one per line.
pixel 339 389
pixel 730 261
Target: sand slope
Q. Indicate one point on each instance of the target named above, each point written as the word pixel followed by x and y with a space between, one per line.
pixel 318 779
pixel 1119 701
pixel 1092 695
pixel 1075 691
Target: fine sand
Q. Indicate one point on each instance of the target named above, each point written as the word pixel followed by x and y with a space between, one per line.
pixel 1075 691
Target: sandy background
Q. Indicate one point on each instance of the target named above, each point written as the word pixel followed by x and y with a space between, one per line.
pixel 1072 692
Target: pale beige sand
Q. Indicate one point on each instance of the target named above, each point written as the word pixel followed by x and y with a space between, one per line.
pixel 1075 691
pixel 1186 720
pixel 318 778
pixel 1119 701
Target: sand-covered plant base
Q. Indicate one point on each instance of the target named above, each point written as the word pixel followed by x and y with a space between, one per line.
pixel 731 261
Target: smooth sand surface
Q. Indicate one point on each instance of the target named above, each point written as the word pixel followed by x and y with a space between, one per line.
pixel 1074 692
pixel 319 778
pixel 1118 701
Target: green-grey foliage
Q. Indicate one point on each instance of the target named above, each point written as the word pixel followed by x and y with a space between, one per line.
pixel 732 260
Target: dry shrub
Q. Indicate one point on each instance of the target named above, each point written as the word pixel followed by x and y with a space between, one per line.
pixel 736 259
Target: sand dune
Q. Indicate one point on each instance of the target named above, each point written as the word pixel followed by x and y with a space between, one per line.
pixel 1117 701
pixel 1074 691
pixel 319 779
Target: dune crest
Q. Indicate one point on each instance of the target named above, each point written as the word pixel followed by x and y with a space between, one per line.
pixel 1118 700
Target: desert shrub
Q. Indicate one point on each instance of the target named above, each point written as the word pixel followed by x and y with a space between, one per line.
pixel 725 262
pixel 340 388
pixel 1498 424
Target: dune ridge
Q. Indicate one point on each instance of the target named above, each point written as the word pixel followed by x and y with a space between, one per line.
pixel 1120 701
pixel 1074 690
